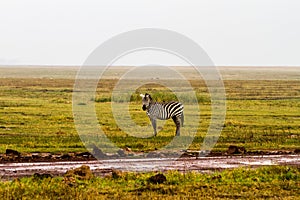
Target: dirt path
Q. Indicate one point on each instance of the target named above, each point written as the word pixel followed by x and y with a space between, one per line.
pixel 103 167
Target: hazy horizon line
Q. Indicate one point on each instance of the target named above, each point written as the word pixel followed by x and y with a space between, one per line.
pixel 241 66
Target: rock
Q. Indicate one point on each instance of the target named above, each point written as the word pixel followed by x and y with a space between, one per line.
pixel 232 149
pixel 157 179
pixel 12 152
pixel 66 156
pixel 297 151
pixel 121 153
pixel 83 173
pixel 36 155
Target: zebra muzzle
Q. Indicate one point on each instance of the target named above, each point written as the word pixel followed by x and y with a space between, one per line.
pixel 144 107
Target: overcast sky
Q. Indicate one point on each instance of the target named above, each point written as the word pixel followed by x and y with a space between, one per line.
pixel 232 32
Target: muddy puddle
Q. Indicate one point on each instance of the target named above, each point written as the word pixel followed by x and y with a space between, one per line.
pixel 103 167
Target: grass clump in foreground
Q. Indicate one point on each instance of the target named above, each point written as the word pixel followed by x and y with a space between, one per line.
pixel 243 183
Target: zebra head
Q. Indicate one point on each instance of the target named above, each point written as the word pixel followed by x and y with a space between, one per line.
pixel 146 100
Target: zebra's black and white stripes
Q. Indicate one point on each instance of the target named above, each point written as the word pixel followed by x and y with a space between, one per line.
pixel 163 111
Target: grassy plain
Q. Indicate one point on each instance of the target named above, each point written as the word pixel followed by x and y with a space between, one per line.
pixel 36 110
pixel 263 113
pixel 263 183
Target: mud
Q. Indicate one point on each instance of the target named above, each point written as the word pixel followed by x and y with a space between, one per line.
pixel 13 156
pixel 11 170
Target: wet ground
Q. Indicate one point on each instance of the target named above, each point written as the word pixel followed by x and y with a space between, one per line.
pixel 10 170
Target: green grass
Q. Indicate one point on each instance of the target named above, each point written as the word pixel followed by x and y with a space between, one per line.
pixel 36 115
pixel 243 183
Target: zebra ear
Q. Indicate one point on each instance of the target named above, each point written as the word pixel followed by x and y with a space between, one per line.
pixel 142 95
pixel 148 96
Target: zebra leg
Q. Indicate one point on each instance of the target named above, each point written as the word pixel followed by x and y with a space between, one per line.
pixel 182 119
pixel 177 123
pixel 153 122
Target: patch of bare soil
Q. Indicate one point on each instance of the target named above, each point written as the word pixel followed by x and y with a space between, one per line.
pixel 14 164
pixel 13 156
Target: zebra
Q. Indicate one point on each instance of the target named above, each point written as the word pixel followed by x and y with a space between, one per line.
pixel 163 111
